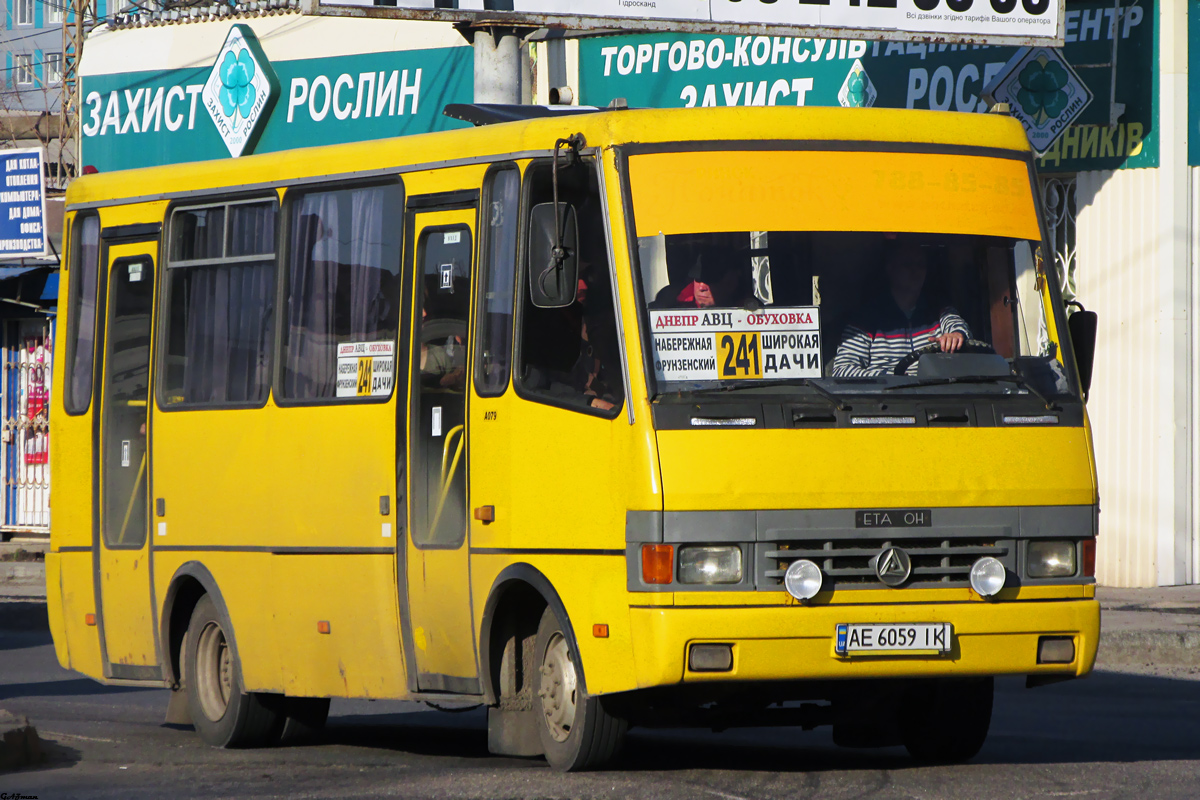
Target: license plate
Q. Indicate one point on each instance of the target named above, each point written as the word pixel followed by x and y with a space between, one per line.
pixel 915 637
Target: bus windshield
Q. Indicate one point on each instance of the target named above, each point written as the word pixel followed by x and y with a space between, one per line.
pixel 764 267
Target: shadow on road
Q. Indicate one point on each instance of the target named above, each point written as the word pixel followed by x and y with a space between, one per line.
pixel 22 615
pixel 65 688
pixel 1111 717
pixel 432 733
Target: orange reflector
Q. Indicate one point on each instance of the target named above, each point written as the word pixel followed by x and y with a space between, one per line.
pixel 486 514
pixel 90 619
pixel 1089 558
pixel 323 626
pixel 658 563
pixel 600 631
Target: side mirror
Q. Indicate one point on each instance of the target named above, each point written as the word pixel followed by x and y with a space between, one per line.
pixel 553 261
pixel 1082 325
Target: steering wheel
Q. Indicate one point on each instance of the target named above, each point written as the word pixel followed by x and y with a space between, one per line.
pixel 969 346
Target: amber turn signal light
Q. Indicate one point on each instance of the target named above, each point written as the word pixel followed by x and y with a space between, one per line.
pixel 658 563
pixel 89 619
pixel 323 626
pixel 1089 558
pixel 600 631
pixel 486 514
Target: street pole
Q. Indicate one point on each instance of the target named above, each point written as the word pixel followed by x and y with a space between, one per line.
pixel 498 65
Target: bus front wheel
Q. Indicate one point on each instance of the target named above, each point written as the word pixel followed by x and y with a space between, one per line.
pixel 576 730
pixel 223 714
pixel 947 721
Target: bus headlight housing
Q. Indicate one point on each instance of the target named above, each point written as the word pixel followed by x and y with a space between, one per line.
pixel 709 565
pixel 803 579
pixel 1050 559
pixel 987 576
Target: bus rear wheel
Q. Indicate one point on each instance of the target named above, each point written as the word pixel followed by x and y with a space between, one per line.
pixel 947 721
pixel 576 730
pixel 223 714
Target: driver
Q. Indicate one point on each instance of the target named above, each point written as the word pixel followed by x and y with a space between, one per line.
pixel 900 322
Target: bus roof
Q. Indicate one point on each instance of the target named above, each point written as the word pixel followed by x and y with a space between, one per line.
pixel 603 128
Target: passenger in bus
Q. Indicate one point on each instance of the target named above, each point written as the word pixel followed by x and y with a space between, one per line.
pixel 898 322
pixel 720 284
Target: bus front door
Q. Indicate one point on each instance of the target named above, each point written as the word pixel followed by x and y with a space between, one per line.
pixel 437 568
pixel 123 578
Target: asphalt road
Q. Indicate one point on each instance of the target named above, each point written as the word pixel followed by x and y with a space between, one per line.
pixel 1110 736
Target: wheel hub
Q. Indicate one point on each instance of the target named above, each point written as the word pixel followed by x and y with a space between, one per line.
pixel 214 671
pixel 557 688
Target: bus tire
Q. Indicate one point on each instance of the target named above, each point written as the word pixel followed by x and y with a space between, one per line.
pixel 576 730
pixel 223 714
pixel 947 721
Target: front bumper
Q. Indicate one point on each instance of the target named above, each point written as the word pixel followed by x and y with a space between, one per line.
pixel 794 642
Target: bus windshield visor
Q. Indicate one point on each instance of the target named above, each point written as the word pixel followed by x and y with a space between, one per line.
pixel 863 271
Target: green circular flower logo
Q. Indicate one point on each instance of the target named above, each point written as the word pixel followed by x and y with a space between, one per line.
pixel 1042 94
pixel 237 89
pixel 856 90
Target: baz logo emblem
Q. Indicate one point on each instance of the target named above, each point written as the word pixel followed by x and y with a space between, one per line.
pixel 893 566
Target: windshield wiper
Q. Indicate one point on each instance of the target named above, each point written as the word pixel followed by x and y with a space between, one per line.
pixel 1020 380
pixel 834 399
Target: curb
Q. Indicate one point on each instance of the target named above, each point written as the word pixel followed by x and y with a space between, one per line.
pixel 23 572
pixel 1128 648
pixel 20 746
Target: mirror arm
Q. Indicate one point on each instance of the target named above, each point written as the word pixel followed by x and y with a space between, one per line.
pixel 558 255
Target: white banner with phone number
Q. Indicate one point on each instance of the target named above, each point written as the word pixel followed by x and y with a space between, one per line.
pixel 735 344
pixel 977 20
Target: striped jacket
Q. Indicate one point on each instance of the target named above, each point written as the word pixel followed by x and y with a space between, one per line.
pixel 875 343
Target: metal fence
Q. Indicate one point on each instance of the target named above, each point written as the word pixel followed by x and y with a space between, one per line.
pixel 25 441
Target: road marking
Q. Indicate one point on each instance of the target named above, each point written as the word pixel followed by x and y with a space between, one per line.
pixel 726 796
pixel 77 736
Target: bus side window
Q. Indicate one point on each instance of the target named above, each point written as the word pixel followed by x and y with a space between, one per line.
pixel 570 356
pixel 503 197
pixel 81 336
pixel 343 290
pixel 221 289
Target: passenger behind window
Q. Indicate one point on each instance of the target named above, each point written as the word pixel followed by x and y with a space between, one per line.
pixel 902 318
pixel 443 349
pixel 715 278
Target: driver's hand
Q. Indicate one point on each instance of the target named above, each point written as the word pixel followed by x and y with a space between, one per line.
pixel 951 342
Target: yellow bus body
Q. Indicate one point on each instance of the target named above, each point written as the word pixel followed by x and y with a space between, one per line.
pixel 280 506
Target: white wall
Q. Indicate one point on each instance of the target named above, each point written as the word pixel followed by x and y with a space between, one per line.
pixel 1141 404
pixel 1116 236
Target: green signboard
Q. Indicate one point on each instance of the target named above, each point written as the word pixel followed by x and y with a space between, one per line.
pixel 139 119
pixel 679 70
pixel 1194 83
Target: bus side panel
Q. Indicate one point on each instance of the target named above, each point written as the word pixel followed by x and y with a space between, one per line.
pixel 302 480
pixel 592 589
pixel 81 642
pixel 54 609
pixel 71 595
pixel 360 655
pixel 245 586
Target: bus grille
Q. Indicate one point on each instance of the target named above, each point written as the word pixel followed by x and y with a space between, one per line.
pixel 846 563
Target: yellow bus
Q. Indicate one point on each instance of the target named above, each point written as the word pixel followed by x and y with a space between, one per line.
pixel 713 417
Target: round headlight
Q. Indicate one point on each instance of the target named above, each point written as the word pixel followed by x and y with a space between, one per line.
pixel 803 579
pixel 987 576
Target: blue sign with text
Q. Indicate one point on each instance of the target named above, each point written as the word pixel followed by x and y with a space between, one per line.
pixel 22 204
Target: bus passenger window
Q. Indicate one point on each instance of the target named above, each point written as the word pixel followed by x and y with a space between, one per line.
pixel 496 302
pixel 343 296
pixel 570 356
pixel 81 339
pixel 221 289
